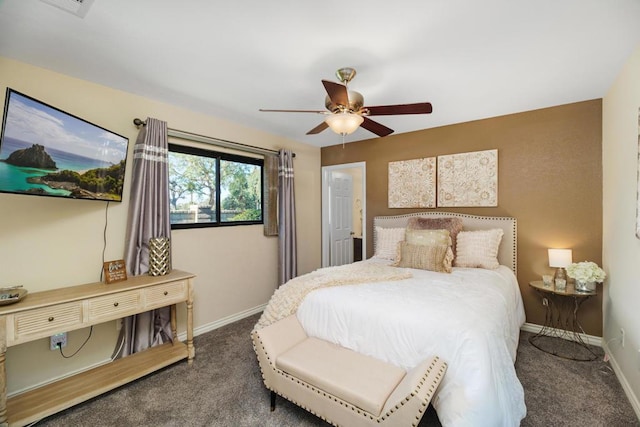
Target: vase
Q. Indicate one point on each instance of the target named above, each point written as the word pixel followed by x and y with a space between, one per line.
pixel 159 256
pixel 584 286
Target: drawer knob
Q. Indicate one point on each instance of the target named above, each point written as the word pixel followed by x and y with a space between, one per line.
pixel 166 293
pixel 51 319
pixel 115 304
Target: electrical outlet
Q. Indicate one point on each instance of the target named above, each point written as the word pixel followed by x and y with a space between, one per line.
pixel 58 341
pixel 622 337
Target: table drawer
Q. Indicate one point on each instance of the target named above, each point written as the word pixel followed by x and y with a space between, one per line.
pixel 43 322
pixel 114 306
pixel 165 294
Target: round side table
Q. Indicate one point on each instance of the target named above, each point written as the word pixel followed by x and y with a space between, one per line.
pixel 561 322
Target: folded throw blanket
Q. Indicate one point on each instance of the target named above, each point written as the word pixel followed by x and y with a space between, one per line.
pixel 287 298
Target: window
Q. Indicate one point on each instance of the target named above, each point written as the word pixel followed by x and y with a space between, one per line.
pixel 208 188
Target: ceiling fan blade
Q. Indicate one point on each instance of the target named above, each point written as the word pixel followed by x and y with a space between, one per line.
pixel 390 110
pixel 322 126
pixel 293 111
pixel 375 127
pixel 337 93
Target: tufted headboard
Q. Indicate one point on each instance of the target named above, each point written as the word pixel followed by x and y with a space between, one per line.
pixel 508 251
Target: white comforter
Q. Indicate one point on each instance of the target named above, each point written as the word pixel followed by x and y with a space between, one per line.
pixel 470 318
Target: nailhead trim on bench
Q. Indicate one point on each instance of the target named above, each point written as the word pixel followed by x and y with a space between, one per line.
pixel 382 417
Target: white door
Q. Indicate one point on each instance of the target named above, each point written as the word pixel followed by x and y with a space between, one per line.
pixel 358 172
pixel 341 220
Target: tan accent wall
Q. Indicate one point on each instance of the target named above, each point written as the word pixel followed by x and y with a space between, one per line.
pixel 48 243
pixel 549 179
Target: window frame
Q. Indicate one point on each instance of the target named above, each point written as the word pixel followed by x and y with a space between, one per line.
pixel 220 156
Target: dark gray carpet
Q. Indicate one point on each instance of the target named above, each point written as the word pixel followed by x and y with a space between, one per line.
pixel 223 387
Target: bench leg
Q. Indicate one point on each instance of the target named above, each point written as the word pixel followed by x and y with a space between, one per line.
pixel 273 401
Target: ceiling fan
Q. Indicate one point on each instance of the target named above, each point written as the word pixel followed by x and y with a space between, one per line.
pixel 346 110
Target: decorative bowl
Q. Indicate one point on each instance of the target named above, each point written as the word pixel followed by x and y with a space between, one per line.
pixel 11 295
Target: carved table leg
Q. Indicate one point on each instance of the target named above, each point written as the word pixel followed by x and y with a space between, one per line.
pixel 174 323
pixel 191 350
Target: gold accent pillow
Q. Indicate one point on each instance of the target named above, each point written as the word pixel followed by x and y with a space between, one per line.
pixel 428 237
pixel 433 258
pixel 454 225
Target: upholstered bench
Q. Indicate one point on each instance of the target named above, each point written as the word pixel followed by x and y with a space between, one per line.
pixel 339 385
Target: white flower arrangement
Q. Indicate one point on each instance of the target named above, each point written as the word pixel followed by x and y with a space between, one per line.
pixel 586 271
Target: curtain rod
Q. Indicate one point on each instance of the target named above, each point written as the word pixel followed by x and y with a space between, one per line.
pixel 209 140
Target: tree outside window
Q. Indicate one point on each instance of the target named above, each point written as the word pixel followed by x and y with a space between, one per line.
pixel 208 188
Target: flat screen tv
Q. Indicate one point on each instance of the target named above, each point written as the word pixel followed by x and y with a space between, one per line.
pixel 45 151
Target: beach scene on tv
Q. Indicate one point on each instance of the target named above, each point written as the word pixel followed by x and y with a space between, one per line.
pixel 45 151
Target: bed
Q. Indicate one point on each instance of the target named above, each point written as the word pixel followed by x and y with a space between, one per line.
pixel 470 317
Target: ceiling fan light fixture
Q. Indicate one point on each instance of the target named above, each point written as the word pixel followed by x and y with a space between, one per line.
pixel 347 111
pixel 344 123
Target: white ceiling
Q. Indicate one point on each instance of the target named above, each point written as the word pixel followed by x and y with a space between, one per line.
pixel 471 59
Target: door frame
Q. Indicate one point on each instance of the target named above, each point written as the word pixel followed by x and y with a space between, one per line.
pixel 326 173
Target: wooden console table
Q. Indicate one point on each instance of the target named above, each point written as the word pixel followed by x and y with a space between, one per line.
pixel 42 314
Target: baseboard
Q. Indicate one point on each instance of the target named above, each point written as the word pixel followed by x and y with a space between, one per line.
pixel 589 339
pixel 58 378
pixel 597 341
pixel 222 322
pixel 633 399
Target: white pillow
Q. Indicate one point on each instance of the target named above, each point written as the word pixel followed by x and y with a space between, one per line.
pixel 478 248
pixel 387 240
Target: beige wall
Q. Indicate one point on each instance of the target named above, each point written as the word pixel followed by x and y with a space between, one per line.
pixel 549 179
pixel 621 248
pixel 47 243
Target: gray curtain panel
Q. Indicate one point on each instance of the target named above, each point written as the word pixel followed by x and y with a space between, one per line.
pixel 270 184
pixel 148 217
pixel 287 218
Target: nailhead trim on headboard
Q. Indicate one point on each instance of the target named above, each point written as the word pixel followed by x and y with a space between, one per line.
pixel 508 253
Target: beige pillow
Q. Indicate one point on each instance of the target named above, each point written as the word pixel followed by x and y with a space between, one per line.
pixel 433 258
pixel 428 237
pixel 387 240
pixel 454 225
pixel 478 248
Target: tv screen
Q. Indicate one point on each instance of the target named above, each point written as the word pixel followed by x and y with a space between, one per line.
pixel 47 152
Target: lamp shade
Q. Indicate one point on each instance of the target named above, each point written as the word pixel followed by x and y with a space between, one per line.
pixel 344 123
pixel 560 258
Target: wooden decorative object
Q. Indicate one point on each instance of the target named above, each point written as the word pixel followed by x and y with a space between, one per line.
pixel 114 271
pixel 159 256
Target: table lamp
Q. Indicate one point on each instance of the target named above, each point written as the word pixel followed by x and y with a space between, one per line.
pixel 560 258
